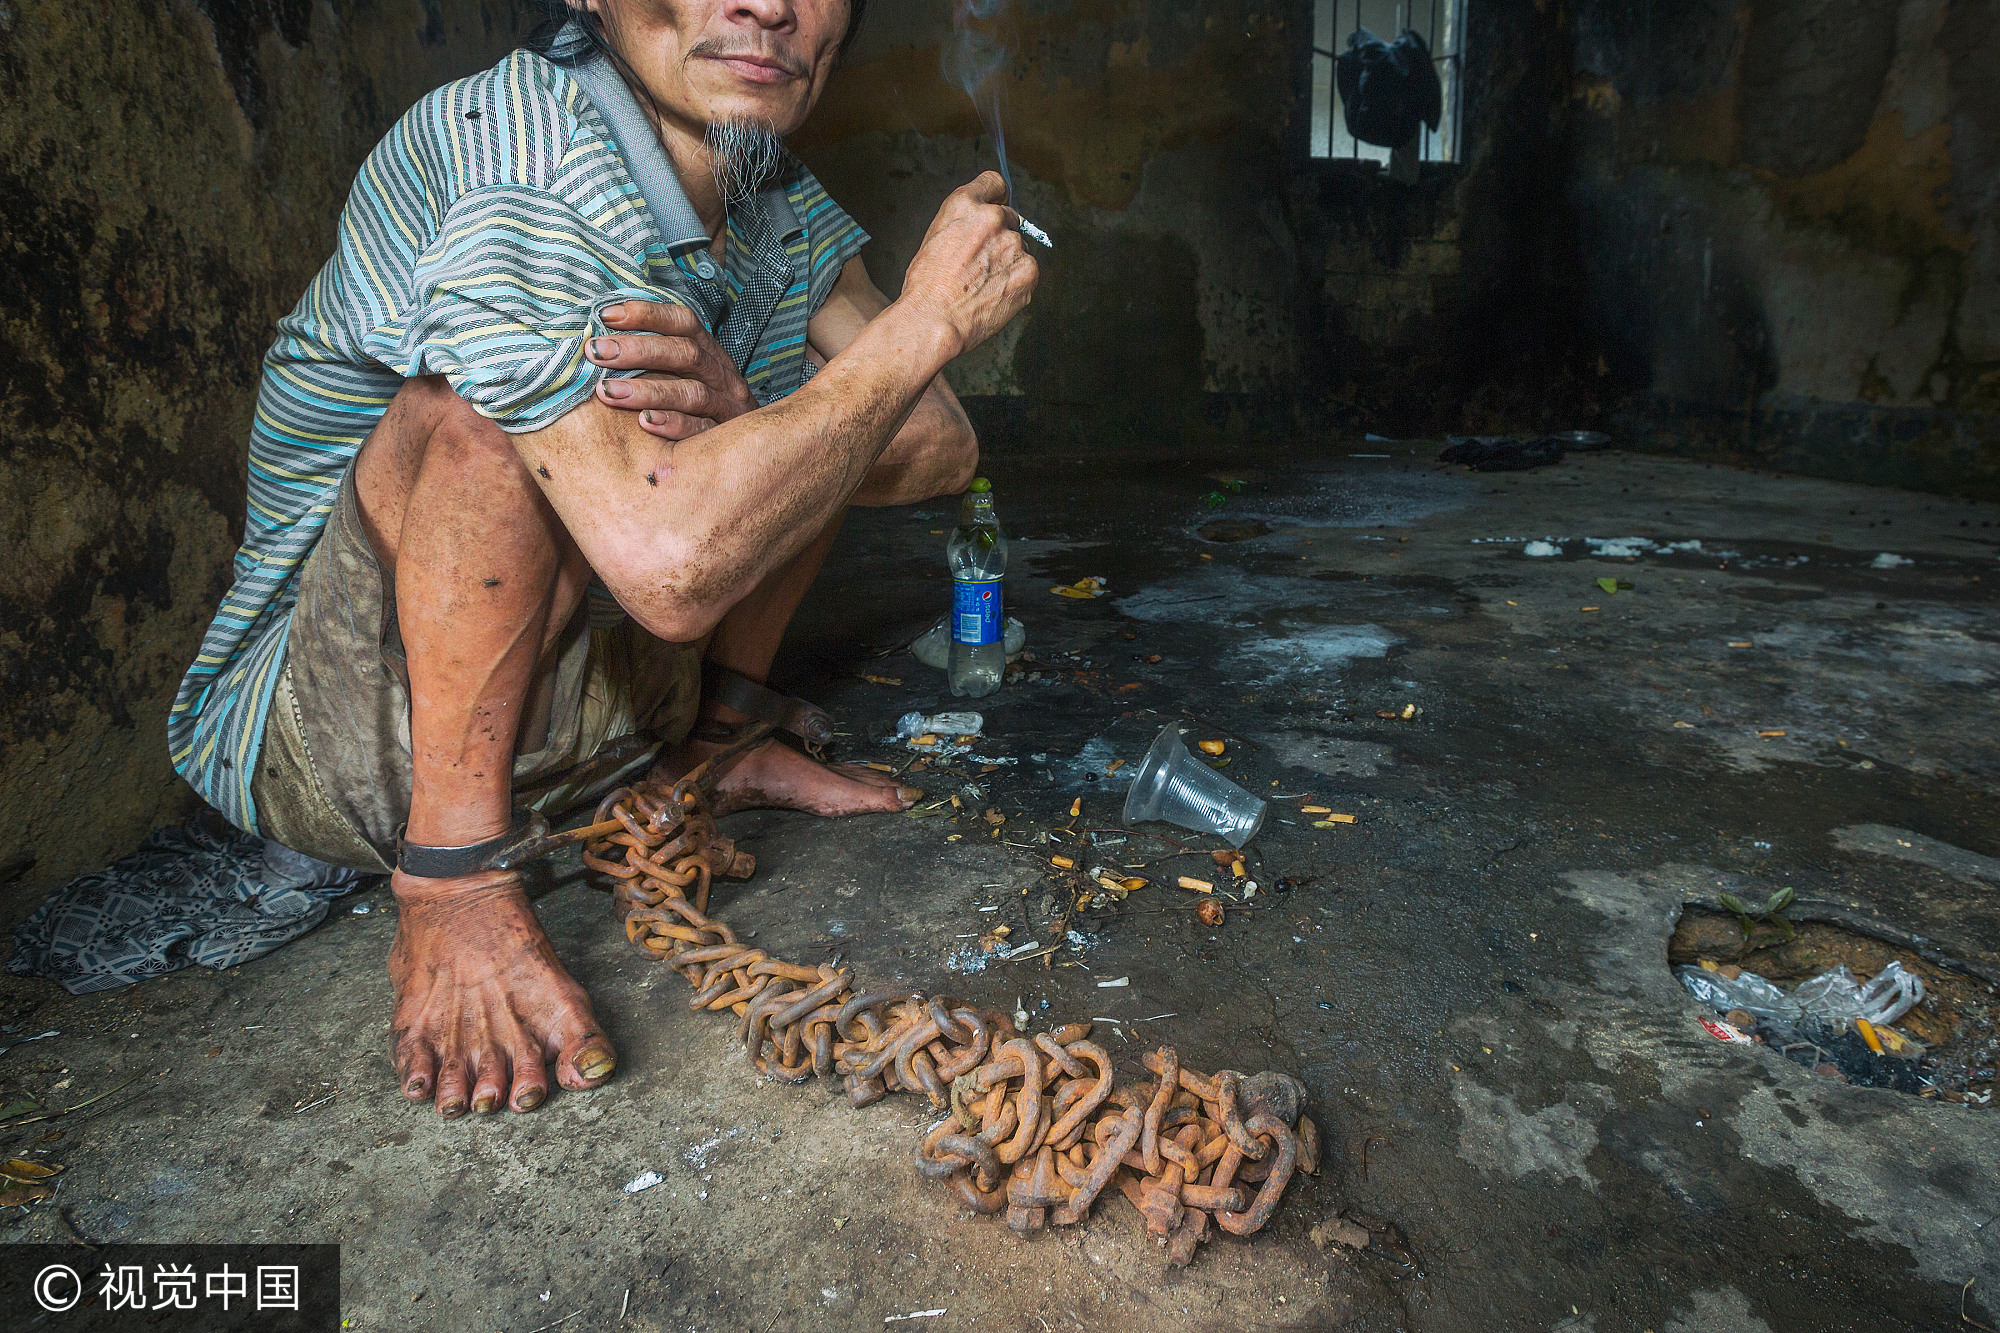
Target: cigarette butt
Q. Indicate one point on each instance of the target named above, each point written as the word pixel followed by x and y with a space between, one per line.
pixel 880 768
pixel 1315 809
pixel 925 739
pixel 1740 643
pixel 1237 869
pixel 1211 747
pixel 1116 764
pixel 1063 862
pixel 1340 819
pixel 1076 807
pixel 1867 1031
pixel 1113 885
pixel 1768 735
pixel 957 804
pixel 1198 885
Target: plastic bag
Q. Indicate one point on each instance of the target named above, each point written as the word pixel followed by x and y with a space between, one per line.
pixel 1746 991
pixel 1836 995
pixel 1832 997
pixel 945 725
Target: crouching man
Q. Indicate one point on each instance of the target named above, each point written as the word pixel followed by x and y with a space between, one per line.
pixel 564 429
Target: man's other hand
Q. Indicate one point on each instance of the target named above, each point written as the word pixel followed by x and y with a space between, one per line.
pixel 971 271
pixel 690 384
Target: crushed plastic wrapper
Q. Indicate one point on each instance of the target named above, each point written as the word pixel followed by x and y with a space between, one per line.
pixel 1832 997
pixel 945 726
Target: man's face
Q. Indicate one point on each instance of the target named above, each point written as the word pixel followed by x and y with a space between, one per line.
pixel 709 61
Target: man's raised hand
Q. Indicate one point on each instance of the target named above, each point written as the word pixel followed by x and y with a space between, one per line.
pixel 690 383
pixel 972 271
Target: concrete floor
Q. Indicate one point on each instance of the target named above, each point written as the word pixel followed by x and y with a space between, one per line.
pixel 1471 980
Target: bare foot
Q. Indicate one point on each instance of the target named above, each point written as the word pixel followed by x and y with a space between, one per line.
pixel 482 1004
pixel 773 776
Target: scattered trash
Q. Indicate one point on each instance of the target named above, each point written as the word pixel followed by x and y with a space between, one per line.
pixel 1172 786
pixel 964 725
pixel 1724 1031
pixel 1614 586
pixel 1541 549
pixel 1886 560
pixel 1117 981
pixel 645 1180
pixel 1409 711
pixel 1198 885
pixel 917 1314
pixel 1094 586
pixel 1833 998
pixel 1210 912
pixel 804 1022
pixel 359 909
pixel 1211 747
pixel 888 680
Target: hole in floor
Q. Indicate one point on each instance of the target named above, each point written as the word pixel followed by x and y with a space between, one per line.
pixel 1946 1046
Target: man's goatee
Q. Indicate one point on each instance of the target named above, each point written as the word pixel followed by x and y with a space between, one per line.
pixel 747 156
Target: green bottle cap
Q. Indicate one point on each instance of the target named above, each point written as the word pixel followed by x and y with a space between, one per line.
pixel 980 486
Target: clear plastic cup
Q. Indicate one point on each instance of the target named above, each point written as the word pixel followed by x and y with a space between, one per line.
pixel 1175 786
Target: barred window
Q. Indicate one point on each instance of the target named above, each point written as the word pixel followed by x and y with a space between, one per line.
pixel 1441 23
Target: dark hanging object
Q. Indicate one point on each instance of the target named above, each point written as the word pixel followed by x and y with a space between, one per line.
pixel 1388 89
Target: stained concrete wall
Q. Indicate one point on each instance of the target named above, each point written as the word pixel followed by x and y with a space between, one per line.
pixel 1209 282
pixel 170 177
pixel 1789 219
pixel 1144 136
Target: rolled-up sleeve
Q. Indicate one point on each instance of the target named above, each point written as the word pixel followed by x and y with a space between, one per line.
pixel 505 298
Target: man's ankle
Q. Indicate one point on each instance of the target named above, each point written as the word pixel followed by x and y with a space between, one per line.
pixel 415 890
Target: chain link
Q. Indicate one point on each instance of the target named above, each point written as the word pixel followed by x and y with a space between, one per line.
pixel 1038 1128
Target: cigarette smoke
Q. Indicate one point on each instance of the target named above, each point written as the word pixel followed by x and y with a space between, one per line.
pixel 974 60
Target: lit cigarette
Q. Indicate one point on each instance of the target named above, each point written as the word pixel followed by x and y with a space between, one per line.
pixel 1034 233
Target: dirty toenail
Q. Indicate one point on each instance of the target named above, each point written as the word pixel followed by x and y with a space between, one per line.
pixel 485 1104
pixel 595 1062
pixel 415 1087
pixel 451 1109
pixel 910 793
pixel 528 1100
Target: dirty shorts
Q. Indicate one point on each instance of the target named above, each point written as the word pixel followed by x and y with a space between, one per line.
pixel 334 775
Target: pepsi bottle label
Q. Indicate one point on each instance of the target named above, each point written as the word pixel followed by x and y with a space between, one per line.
pixel 975 611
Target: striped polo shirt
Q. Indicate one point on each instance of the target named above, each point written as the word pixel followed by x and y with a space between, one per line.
pixel 482 239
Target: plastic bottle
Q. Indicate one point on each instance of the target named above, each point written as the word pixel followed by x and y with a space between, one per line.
pixel 977 555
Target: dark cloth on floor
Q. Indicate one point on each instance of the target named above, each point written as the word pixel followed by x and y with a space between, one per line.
pixel 188 895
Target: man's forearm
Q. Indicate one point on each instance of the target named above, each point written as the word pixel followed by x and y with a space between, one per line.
pixel 681 532
pixel 935 453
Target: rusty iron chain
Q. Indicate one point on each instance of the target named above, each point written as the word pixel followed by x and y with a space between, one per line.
pixel 1038 1127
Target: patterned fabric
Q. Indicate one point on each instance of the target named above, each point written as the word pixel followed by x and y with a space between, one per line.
pixel 188 895
pixel 483 238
